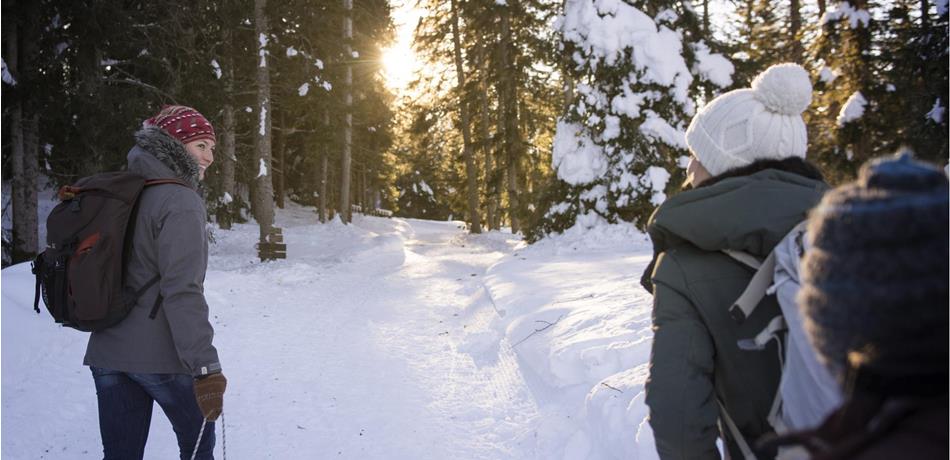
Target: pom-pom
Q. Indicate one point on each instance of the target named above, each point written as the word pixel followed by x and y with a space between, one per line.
pixel 784 89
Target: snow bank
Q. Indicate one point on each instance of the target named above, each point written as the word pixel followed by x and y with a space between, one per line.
pixel 573 310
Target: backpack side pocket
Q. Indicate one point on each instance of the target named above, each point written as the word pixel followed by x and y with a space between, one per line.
pixel 91 278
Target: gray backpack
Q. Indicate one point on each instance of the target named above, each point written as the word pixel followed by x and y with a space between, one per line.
pixel 807 391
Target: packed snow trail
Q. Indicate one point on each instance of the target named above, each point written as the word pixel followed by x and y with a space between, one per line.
pixel 350 348
pixel 384 339
pixel 360 348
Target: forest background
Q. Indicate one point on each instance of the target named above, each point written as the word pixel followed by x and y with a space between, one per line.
pixel 532 115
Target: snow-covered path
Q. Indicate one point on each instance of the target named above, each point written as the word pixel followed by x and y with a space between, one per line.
pixel 385 339
pixel 369 367
pixel 348 349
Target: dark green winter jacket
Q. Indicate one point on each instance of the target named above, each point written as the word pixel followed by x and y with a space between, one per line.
pixel 695 357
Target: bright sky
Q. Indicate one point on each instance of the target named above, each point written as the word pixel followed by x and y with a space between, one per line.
pixel 400 61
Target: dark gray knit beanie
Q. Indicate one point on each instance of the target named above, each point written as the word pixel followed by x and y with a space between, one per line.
pixel 875 280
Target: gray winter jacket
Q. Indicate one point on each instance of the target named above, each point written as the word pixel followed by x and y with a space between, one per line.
pixel 169 240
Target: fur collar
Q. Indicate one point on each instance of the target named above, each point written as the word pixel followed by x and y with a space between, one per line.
pixel 171 152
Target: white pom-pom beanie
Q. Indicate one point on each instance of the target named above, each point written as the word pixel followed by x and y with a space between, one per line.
pixel 745 125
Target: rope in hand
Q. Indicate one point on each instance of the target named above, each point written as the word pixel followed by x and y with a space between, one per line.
pixel 198 442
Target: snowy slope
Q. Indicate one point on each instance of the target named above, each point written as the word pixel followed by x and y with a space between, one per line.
pixel 389 338
pixel 580 324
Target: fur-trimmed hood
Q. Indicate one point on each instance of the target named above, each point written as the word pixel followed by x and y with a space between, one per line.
pixel 158 155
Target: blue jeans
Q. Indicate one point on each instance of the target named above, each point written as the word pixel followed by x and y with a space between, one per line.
pixel 125 413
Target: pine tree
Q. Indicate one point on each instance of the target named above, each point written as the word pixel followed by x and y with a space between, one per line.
pixel 913 106
pixel 474 215
pixel 841 121
pixel 623 137
pixel 263 190
pixel 504 47
pixel 19 54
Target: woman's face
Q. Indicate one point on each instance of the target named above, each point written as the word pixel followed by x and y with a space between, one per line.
pixel 202 150
pixel 696 173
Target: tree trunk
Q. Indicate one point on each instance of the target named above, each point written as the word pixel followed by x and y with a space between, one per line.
pixel 473 213
pixel 491 195
pixel 24 148
pixel 324 164
pixel 925 13
pixel 750 20
pixel 27 232
pixel 865 80
pixel 795 27
pixel 264 195
pixel 821 8
pixel 280 168
pixel 228 160
pixel 345 208
pixel 364 191
pixel 706 18
pixel 227 147
pixel 510 104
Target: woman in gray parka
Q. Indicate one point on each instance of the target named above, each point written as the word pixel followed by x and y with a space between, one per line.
pixel 167 357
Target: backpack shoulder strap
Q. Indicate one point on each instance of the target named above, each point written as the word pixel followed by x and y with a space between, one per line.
pixel 758 287
pixel 743 307
pixel 737 436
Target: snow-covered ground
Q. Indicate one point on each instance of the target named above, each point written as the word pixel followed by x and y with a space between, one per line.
pixel 386 339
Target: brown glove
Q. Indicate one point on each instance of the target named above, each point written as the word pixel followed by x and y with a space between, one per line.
pixel 209 391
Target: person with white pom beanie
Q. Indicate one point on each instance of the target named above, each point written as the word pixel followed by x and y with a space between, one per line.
pixel 751 186
pixel 764 122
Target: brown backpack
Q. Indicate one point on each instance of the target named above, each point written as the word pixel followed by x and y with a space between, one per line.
pixel 81 274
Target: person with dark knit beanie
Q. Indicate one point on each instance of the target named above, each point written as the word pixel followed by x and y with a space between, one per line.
pixel 875 299
pixel 162 352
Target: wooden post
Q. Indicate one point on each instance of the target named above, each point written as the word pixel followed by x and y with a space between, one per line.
pixel 272 247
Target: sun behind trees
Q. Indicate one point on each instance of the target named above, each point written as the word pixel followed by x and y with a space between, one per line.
pixel 83 83
pixel 534 115
pixel 612 106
